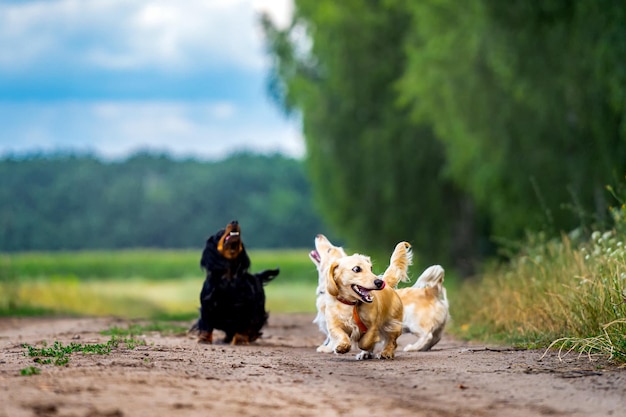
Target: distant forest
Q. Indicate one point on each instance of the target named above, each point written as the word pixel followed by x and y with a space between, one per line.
pixel 68 202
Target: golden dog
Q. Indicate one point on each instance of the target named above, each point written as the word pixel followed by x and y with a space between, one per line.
pixel 360 307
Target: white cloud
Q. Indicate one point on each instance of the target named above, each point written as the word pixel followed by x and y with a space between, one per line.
pixel 114 129
pixel 134 34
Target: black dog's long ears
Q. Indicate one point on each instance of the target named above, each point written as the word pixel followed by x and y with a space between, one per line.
pixel 267 275
pixel 210 255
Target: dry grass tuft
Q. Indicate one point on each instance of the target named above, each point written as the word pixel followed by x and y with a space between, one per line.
pixel 559 291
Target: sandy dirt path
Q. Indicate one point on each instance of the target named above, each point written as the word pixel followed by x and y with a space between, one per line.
pixel 282 375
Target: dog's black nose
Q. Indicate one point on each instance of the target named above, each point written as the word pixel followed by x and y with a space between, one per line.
pixel 379 283
pixel 234 223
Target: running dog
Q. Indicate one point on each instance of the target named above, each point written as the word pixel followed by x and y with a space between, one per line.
pixel 361 308
pixel 426 309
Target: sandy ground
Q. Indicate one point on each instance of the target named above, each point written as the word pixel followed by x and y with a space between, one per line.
pixel 282 375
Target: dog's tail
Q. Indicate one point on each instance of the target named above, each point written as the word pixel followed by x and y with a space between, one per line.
pixel 432 277
pixel 267 275
pixel 398 269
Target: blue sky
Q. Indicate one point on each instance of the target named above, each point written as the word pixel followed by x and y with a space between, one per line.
pixel 115 76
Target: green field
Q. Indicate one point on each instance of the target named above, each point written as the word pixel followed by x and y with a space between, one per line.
pixel 137 283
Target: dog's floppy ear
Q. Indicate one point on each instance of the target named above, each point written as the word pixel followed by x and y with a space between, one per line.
pixel 331 284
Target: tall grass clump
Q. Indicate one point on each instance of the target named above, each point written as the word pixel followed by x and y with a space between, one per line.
pixel 551 290
pixel 567 293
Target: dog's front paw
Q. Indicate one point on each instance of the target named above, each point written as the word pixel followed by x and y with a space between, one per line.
pixel 386 355
pixel 343 348
pixel 364 355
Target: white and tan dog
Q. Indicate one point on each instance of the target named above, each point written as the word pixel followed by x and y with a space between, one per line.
pixel 426 309
pixel 425 303
pixel 361 308
pixel 323 255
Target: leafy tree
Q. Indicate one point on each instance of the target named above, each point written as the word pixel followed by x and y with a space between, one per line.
pixel 377 175
pixel 529 99
pixel 407 106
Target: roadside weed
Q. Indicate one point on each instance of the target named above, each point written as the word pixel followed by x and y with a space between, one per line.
pixel 59 354
pixel 30 370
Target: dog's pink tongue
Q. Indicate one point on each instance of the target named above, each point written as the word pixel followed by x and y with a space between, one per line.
pixel 364 291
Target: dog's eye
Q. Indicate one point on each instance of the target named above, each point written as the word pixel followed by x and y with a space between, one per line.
pixel 357 269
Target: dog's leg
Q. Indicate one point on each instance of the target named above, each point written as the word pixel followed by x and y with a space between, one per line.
pixel 344 345
pixel 339 338
pixel 391 340
pixel 423 343
pixel 389 351
pixel 367 343
pixel 240 339
pixel 320 320
pixel 205 336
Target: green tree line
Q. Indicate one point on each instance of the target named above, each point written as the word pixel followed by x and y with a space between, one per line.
pixel 66 202
pixel 452 124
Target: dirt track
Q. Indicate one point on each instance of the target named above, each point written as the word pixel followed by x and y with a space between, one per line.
pixel 282 375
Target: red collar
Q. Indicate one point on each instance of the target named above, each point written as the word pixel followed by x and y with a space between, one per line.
pixel 347 302
pixel 357 319
pixel 355 314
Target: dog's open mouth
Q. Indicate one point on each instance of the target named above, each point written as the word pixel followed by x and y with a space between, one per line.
pixel 315 255
pixel 364 293
pixel 230 245
pixel 230 236
pixel 232 241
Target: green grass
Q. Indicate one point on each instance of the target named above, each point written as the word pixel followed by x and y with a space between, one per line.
pixel 152 284
pixel 142 264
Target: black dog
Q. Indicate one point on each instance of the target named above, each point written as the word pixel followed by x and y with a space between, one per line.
pixel 232 299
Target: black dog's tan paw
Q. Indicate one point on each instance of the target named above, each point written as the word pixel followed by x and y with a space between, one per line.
pixel 205 337
pixel 240 339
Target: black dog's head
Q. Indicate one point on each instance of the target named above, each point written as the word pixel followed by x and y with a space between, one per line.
pixel 230 244
pixel 224 251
